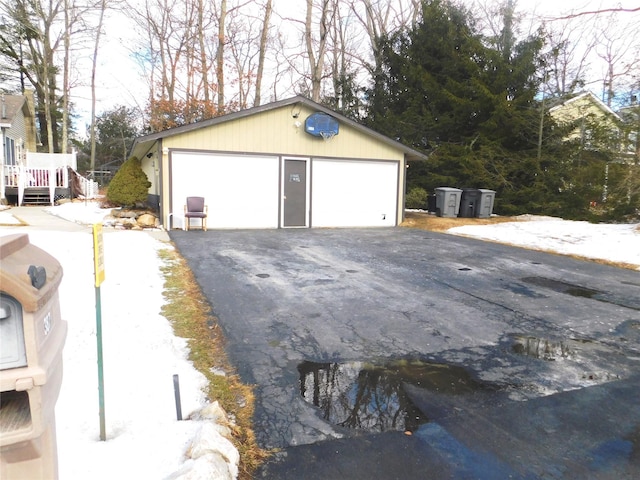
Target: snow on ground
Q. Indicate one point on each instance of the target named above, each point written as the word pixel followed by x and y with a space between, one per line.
pixel 141 354
pixel 611 242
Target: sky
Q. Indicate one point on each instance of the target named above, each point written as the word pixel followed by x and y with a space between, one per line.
pixel 120 81
pixel 141 354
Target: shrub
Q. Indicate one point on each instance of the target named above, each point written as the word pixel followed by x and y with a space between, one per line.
pixel 416 198
pixel 130 185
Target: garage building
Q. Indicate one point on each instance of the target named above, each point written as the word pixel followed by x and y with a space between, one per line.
pixel 288 164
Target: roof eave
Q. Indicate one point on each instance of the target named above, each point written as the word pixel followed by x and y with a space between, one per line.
pixel 410 153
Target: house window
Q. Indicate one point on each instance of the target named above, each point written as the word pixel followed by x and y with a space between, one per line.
pixel 10 151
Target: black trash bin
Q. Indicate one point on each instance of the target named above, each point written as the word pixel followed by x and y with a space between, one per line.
pixel 431 203
pixel 469 203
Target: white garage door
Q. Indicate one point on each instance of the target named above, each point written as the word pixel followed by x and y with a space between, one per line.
pixel 351 193
pixel 241 191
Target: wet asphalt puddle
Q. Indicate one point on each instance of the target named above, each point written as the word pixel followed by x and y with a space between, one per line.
pixel 374 398
pixel 403 394
pixel 580 291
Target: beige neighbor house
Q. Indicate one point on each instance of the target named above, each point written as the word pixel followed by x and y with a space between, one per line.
pixel 17 133
pixel 292 163
pixel 26 175
pixel 631 117
pixel 597 126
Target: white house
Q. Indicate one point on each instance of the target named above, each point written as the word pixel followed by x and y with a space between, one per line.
pixel 28 176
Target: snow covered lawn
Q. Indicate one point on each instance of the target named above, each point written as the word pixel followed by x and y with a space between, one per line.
pixel 612 242
pixel 141 355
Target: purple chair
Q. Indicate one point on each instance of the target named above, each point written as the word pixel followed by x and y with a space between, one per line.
pixel 195 208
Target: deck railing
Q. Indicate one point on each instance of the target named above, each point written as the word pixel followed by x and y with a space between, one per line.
pixel 18 175
pixel 48 171
pixel 90 188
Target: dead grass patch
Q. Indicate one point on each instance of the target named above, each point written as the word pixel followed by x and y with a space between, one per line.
pixel 190 315
pixel 425 221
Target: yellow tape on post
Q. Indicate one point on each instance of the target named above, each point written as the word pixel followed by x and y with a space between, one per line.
pixel 98 254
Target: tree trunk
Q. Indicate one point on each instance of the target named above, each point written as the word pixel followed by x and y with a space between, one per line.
pixel 220 55
pixel 204 62
pixel 316 63
pixel 264 37
pixel 103 6
pixel 65 78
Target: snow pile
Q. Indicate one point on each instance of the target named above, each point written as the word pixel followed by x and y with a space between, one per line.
pixel 86 213
pixel 141 354
pixel 611 242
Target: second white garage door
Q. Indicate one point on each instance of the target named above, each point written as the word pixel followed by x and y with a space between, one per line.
pixel 353 193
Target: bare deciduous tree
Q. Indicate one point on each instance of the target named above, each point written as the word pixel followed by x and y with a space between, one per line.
pixel 38 30
pixel 379 19
pixel 316 45
pixel 94 63
pixel 262 50
pixel 222 16
pixel 571 45
pixel 615 49
pixel 202 26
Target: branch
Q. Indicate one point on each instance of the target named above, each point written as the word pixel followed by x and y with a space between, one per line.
pixel 596 12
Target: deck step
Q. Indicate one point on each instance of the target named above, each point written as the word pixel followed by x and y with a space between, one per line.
pixel 36 196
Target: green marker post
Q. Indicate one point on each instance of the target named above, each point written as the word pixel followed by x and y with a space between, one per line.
pixel 98 262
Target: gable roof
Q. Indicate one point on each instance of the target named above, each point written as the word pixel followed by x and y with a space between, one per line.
pixel 10 105
pixel 411 153
pixel 558 103
pixel 630 113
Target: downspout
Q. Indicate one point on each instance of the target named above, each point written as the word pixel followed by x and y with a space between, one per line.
pixel 2 157
pixel 3 197
pixel 404 189
pixel 164 204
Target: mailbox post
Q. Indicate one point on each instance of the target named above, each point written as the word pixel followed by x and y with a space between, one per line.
pixel 32 335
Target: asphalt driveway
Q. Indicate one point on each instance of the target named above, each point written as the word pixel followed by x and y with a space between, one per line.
pixel 514 363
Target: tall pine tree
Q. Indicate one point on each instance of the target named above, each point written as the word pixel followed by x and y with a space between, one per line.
pixel 468 100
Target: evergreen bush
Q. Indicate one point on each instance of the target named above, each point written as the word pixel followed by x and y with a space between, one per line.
pixel 130 185
pixel 416 198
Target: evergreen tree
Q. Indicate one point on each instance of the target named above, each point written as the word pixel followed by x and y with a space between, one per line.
pixel 445 89
pixel 426 93
pixel 116 130
pixel 130 185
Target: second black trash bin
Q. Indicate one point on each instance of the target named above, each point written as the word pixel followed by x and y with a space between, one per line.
pixel 469 202
pixel 476 203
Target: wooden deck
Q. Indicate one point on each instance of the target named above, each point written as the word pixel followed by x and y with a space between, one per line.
pixel 44 186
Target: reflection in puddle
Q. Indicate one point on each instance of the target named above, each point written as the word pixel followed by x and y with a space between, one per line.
pixel 544 349
pixel 363 396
